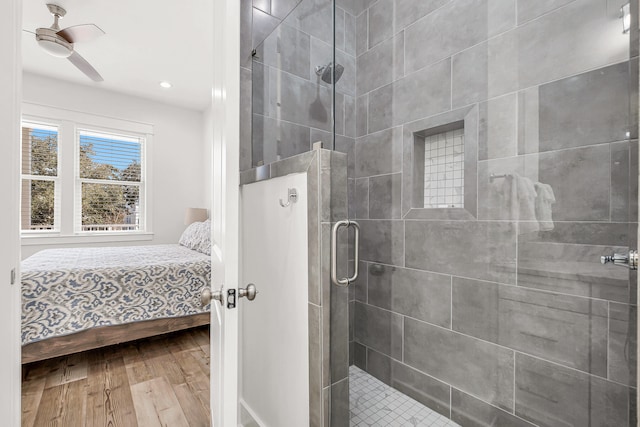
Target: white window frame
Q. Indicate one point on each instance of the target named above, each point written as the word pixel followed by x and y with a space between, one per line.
pixel 142 184
pixel 55 179
pixel 69 123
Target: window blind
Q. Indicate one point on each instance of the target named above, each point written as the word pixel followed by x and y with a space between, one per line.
pixel 39 167
pixel 110 170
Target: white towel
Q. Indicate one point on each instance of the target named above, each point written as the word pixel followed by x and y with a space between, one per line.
pixel 544 212
pixel 520 196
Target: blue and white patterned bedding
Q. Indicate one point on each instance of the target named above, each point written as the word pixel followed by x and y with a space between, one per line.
pixel 71 290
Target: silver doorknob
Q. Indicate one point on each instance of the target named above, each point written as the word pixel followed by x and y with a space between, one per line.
pixel 250 292
pixel 206 296
pixel 629 260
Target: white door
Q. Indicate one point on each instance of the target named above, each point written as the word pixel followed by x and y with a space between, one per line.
pixel 225 210
pixel 10 31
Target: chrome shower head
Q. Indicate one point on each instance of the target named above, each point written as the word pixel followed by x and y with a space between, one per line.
pixel 324 71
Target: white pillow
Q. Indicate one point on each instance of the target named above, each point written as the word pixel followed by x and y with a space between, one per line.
pixel 197 237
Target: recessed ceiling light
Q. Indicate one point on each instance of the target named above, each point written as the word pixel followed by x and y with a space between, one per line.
pixel 165 85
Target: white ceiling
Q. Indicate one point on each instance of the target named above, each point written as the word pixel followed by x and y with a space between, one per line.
pixel 146 41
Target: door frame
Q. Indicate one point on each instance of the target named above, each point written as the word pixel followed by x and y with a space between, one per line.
pixel 225 210
pixel 11 88
pixel 225 110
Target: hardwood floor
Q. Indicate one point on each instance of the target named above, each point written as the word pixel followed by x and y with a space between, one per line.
pixel 159 381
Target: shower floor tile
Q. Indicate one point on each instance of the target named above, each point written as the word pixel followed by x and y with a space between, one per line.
pixel 373 403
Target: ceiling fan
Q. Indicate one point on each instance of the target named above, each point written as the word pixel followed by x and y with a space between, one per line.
pixel 60 43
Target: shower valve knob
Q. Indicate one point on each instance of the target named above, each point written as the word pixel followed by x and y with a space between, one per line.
pixel 629 260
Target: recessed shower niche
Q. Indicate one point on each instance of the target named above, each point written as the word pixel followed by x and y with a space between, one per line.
pixel 440 158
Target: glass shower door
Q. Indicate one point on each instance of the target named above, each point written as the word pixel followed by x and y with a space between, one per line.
pixel 495 162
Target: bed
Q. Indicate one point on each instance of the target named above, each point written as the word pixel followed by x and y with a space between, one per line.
pixel 78 299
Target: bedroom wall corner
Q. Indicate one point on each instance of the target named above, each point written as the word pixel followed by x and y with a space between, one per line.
pixel 179 179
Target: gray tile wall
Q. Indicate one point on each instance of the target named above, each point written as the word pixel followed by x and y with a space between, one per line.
pixel 286 107
pixel 499 319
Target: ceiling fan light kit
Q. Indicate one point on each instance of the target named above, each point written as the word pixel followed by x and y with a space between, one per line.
pixel 60 43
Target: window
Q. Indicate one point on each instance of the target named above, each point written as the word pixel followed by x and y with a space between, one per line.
pixel 84 178
pixel 40 181
pixel 109 182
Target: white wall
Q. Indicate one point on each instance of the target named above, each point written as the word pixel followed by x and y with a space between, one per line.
pixel 274 333
pixel 207 126
pixel 178 179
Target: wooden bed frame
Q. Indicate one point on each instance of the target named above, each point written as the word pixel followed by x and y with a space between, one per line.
pixel 103 336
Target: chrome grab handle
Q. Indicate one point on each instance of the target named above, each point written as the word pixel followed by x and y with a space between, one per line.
pixel 334 253
pixel 629 260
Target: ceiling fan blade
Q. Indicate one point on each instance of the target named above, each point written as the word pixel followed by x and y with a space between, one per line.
pixel 81 33
pixel 85 67
pixel 29 31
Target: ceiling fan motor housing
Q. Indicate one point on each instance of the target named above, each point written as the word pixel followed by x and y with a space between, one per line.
pixel 53 43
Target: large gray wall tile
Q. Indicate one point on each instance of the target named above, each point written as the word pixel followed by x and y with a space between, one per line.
pixel 468 411
pixel 379 153
pixel 567 260
pixel 314 17
pixel 379 366
pixel 623 341
pixel 360 355
pixel 571 269
pixel 498 127
pixel 382 241
pixel 281 8
pixel 339 334
pixel 381 65
pixel 434 38
pixel 423 388
pixel 477 367
pixel 287 49
pixel 580 179
pixel 478 249
pixel 362 107
pixel 362 198
pixel 549 395
pixel 355 7
pixel 568 330
pixel 381 21
pixel 299 101
pixel 622 188
pixel 245 119
pixel 385 197
pixel 528 10
pixel 378 329
pixel 350 34
pixel 279 138
pixel 263 25
pixel 486 70
pixel 586 109
pixel 362 31
pixel 418 294
pixel 340 404
pixel 416 96
pixel 246 22
pixel 577 31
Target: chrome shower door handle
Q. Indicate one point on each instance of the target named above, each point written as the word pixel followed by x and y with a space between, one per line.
pixel 334 253
pixel 629 260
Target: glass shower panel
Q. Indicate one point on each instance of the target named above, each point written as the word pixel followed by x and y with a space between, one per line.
pixel 293 101
pixel 495 162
